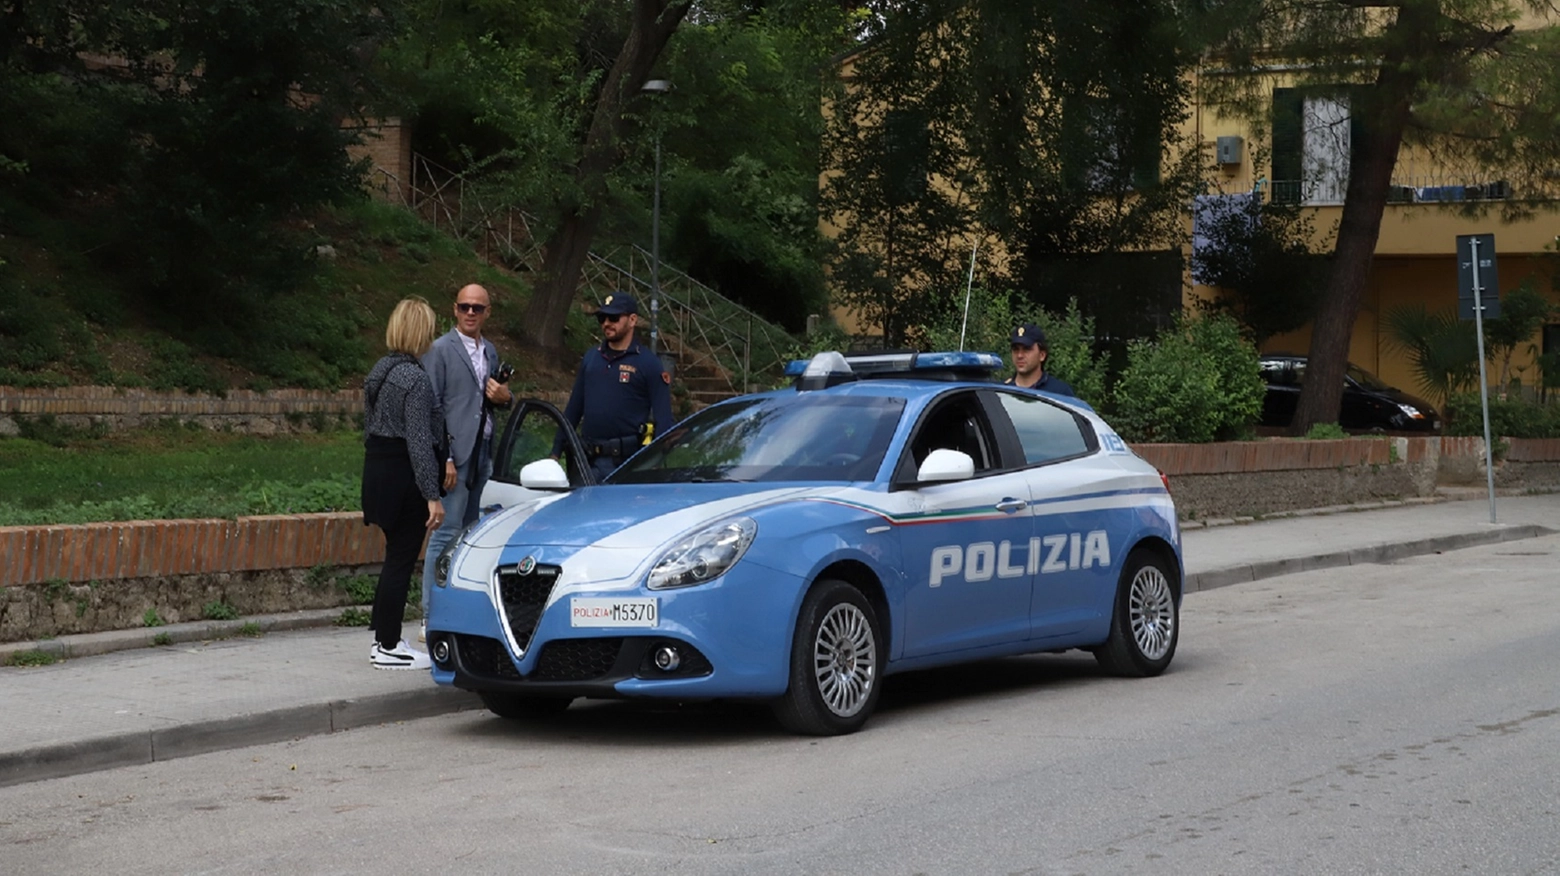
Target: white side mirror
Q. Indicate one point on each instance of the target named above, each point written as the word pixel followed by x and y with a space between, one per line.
pixel 544 474
pixel 946 465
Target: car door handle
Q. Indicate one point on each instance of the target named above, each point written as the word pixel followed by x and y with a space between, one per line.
pixel 1011 505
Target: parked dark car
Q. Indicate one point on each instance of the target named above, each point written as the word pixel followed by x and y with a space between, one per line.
pixel 1369 404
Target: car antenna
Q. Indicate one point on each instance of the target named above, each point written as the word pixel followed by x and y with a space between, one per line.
pixel 967 287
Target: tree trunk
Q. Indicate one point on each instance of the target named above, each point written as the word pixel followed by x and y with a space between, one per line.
pixel 1370 177
pixel 565 252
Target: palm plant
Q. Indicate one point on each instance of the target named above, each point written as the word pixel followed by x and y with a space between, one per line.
pixel 1442 350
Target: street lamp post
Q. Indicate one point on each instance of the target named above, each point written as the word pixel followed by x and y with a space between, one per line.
pixel 656 86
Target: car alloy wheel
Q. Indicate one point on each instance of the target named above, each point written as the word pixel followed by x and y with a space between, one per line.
pixel 1145 619
pixel 835 665
pixel 845 657
pixel 1151 611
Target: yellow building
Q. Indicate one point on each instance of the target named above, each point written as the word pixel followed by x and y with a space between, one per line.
pixel 1415 258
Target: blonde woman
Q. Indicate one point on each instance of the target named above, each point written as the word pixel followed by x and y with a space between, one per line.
pixel 404 449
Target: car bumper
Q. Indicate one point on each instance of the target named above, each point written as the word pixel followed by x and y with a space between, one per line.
pixel 731 638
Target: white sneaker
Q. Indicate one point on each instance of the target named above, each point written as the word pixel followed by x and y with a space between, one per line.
pixel 402 656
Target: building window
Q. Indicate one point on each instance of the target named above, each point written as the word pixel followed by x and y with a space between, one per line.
pixel 1313 137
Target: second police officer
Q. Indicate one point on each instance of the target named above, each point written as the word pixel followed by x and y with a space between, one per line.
pixel 622 396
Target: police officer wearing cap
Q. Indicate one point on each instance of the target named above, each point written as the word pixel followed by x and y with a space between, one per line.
pixel 622 396
pixel 1029 355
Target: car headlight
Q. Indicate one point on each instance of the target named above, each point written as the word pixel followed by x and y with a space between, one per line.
pixel 1411 411
pixel 704 555
pixel 446 558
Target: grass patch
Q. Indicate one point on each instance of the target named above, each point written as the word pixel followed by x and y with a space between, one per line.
pixel 32 658
pixel 162 639
pixel 354 617
pixel 250 630
pixel 152 619
pixel 172 472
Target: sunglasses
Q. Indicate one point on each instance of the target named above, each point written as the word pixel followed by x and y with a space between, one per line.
pixel 478 309
pixel 609 317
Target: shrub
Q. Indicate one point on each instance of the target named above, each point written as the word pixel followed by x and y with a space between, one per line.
pixel 1509 418
pixel 1325 432
pixel 1196 382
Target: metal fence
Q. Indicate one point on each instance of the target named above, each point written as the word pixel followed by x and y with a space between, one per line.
pixel 698 326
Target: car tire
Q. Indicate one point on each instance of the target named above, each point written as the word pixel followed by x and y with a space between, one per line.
pixel 1145 623
pixel 836 663
pixel 519 707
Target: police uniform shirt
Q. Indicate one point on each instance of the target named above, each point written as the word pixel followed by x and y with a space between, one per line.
pixel 617 392
pixel 1046 383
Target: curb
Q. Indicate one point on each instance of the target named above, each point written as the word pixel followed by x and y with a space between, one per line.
pixel 109 641
pixel 221 734
pixel 1382 553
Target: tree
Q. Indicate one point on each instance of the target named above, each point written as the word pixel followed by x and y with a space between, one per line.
pixel 1456 79
pixel 1043 131
pixel 1257 252
pixel 578 213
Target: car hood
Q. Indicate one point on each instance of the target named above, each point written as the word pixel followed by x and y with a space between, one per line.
pixel 635 516
pixel 1398 396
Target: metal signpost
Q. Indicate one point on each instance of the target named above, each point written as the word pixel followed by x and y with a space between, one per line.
pixel 1478 296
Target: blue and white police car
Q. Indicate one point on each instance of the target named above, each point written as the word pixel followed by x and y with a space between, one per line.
pixel 884 514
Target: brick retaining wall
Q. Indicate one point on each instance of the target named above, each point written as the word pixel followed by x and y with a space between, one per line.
pixel 176 566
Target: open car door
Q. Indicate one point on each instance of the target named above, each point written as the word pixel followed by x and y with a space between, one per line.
pixel 535 430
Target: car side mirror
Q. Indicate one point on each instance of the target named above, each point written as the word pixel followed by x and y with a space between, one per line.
pixel 544 474
pixel 945 465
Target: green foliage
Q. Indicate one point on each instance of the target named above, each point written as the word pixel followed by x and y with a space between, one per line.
pixel 174 186
pixel 168 474
pixel 1260 256
pixel 1443 349
pixel 34 657
pixel 249 629
pixel 319 575
pixel 162 640
pixel 152 619
pixel 354 617
pixel 1509 418
pixel 219 610
pixel 1197 382
pixel 1325 432
pixel 1009 118
pixel 360 588
pixel 992 316
pixel 47 429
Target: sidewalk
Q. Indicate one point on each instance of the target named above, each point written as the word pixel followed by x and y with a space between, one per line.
pixel 131 703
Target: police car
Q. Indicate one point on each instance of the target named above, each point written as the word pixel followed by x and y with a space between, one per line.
pixel 883 514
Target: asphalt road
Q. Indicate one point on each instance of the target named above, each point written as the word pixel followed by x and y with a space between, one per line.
pixel 1400 718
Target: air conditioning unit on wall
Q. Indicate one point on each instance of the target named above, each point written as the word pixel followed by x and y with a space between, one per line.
pixel 1226 150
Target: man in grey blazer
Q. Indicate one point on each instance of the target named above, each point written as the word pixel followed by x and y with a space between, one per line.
pixel 463 366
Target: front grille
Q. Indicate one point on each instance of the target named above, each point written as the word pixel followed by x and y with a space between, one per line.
pixel 576 659
pixel 523 597
pixel 487 658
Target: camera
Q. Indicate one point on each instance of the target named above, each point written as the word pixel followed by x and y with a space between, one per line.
pixel 504 372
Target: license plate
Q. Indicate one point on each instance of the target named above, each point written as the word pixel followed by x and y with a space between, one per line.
pixel 595 611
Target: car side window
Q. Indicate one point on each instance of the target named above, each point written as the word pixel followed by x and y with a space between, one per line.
pixel 1046 431
pixel 956 423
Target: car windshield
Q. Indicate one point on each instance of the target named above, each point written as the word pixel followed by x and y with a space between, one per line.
pixel 788 437
pixel 1366 379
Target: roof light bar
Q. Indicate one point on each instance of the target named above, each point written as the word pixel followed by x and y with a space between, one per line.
pixel 891 363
